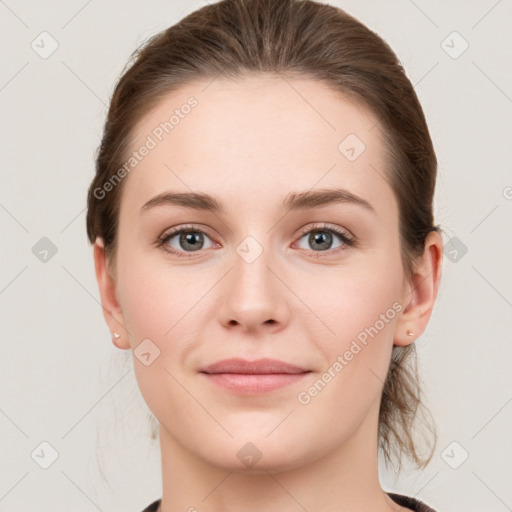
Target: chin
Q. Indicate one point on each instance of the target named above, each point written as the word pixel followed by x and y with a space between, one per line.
pixel 271 463
pixel 259 456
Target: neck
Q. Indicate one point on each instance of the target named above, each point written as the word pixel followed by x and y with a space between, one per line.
pixel 346 479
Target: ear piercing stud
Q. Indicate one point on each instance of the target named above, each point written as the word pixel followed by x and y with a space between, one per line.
pixel 117 335
pixel 409 333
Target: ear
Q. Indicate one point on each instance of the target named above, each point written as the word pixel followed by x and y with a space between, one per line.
pixel 107 287
pixel 420 292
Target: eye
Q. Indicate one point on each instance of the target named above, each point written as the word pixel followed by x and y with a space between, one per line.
pixel 322 238
pixel 185 239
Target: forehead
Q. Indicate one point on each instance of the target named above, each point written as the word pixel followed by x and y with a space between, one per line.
pixel 257 137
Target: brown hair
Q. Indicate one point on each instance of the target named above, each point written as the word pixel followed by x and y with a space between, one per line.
pixel 301 38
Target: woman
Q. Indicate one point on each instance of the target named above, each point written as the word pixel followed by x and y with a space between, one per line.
pixel 264 242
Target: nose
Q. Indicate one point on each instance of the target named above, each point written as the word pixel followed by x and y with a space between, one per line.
pixel 253 297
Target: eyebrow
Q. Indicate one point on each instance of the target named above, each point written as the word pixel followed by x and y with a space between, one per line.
pixel 292 202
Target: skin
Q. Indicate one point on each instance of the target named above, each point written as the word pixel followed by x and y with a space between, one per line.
pixel 250 143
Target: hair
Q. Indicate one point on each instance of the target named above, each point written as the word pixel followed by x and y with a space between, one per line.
pixel 292 38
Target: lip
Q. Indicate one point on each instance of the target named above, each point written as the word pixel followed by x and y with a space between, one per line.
pixel 258 367
pixel 253 377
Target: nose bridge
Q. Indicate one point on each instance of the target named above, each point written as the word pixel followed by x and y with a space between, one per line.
pixel 253 295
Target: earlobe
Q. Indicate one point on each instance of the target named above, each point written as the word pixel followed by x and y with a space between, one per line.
pixel 119 341
pixel 420 292
pixel 111 309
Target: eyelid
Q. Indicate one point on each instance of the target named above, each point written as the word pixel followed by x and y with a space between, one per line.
pixel 184 227
pixel 322 226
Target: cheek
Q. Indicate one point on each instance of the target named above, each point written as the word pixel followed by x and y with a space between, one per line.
pixel 361 304
pixel 155 297
pixel 161 304
pixel 361 307
pixel 158 305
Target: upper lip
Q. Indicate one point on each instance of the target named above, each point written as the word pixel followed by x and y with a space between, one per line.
pixel 260 366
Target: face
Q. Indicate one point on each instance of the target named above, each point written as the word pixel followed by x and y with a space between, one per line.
pixel 298 262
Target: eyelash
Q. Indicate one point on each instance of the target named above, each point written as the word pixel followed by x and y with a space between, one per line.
pixel 348 241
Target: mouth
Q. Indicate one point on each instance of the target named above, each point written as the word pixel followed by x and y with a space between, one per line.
pixel 253 377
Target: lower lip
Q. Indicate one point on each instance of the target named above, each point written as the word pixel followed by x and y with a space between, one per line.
pixel 254 384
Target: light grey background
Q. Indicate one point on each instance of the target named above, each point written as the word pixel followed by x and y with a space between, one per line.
pixel 62 381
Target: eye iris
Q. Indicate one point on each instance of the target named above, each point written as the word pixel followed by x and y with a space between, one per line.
pixel 191 240
pixel 321 237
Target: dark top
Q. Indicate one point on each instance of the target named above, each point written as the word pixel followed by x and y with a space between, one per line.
pixel 404 501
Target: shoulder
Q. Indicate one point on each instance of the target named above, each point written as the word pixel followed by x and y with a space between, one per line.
pixel 153 507
pixel 412 503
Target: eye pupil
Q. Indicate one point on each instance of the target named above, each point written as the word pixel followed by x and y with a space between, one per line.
pixel 321 237
pixel 191 239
